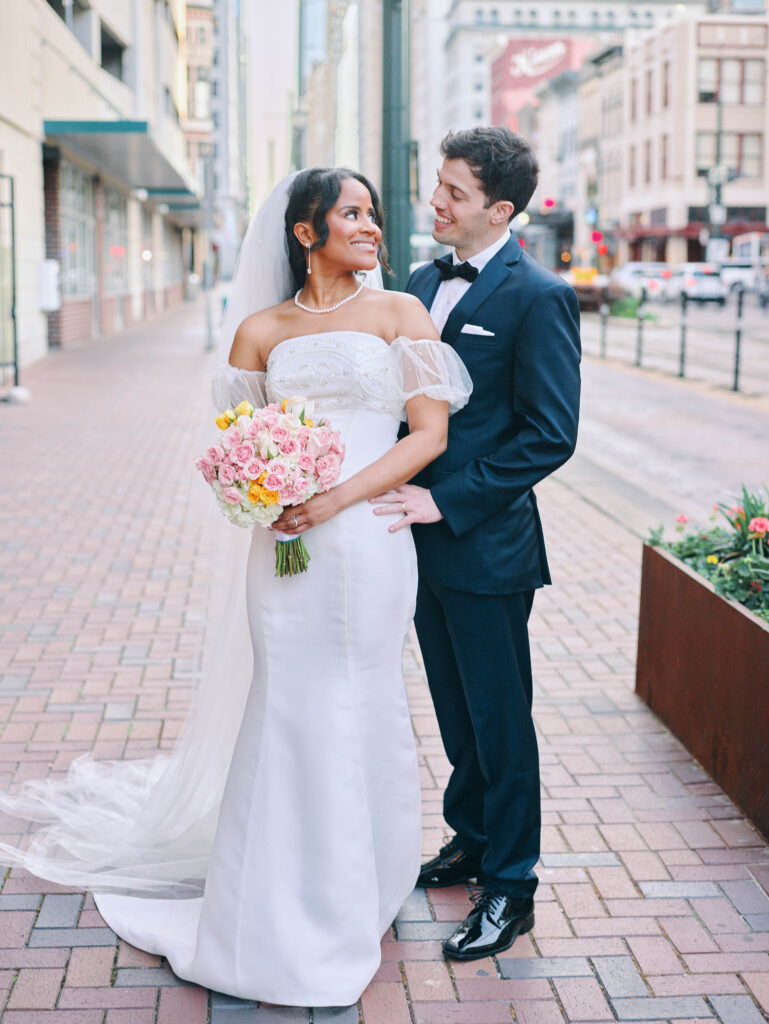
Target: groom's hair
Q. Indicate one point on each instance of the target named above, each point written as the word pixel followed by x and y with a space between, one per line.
pixel 313 193
pixel 502 161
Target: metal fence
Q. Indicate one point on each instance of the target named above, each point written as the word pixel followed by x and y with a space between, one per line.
pixel 728 347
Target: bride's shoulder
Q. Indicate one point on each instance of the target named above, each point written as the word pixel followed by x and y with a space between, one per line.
pixel 406 316
pixel 255 336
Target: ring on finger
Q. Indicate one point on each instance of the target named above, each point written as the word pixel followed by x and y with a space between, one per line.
pixel 296 522
pixel 403 508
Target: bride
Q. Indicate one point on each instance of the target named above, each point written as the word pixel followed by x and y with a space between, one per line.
pixel 268 854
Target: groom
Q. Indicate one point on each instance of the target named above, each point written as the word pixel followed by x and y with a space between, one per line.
pixel 477 531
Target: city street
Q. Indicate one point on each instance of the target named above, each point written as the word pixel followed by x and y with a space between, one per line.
pixel 653 904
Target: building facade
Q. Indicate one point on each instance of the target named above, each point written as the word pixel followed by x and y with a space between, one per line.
pixel 94 146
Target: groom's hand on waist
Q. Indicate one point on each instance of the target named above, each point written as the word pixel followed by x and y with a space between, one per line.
pixel 410 503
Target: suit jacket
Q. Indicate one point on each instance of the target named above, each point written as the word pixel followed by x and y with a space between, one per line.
pixel 519 425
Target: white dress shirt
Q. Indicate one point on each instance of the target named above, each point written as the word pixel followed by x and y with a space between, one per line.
pixel 451 291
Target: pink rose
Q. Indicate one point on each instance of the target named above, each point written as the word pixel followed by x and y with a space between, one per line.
pixel 231 495
pixel 242 454
pixel 759 525
pixel 255 468
pixel 273 482
pixel 287 497
pixel 251 430
pixel 300 487
pixel 303 436
pixel 278 467
pixel 226 475
pixel 215 454
pixel 306 463
pixel 289 447
pixel 241 475
pixel 278 435
pixel 206 467
pixel 231 437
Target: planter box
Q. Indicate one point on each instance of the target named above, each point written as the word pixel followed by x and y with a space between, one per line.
pixel 703 667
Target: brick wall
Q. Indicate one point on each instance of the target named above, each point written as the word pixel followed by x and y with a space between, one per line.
pixel 75 320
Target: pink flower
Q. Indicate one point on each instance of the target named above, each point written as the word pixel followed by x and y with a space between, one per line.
pixel 681 518
pixel 279 467
pixel 231 437
pixel 736 511
pixel 231 495
pixel 255 468
pixel 242 454
pixel 241 475
pixel 300 488
pixel 306 463
pixel 759 525
pixel 206 467
pixel 226 475
pixel 273 482
pixel 289 447
pixel 252 430
pixel 215 454
pixel 278 435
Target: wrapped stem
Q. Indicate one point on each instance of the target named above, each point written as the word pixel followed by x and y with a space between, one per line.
pixel 291 557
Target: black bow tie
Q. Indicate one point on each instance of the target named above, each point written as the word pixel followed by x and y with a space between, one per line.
pixel 450 269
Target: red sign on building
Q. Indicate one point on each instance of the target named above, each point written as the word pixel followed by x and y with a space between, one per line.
pixel 525 63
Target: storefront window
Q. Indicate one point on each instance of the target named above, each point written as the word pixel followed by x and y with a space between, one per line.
pixel 78 232
pixel 115 238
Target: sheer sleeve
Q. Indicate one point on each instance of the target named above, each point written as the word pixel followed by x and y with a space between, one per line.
pixel 230 385
pixel 431 368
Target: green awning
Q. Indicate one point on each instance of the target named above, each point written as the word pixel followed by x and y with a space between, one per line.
pixel 126 150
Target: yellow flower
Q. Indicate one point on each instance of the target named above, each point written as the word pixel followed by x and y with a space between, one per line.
pixel 244 409
pixel 254 493
pixel 309 423
pixel 260 480
pixel 283 405
pixel 222 421
pixel 713 559
pixel 268 497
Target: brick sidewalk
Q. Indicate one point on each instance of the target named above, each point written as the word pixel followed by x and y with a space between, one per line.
pixel 652 905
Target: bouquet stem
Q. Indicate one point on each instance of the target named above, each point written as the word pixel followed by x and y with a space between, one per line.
pixel 291 557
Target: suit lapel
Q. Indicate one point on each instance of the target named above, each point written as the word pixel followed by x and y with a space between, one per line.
pixel 426 284
pixel 496 271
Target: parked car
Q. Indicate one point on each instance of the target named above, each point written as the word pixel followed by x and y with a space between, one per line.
pixel 700 282
pixel 592 288
pixel 748 274
pixel 643 280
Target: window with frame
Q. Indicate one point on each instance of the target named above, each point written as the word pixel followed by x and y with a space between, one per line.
pixel 740 152
pixel 665 99
pixel 732 79
pixel 649 92
pixel 115 238
pixel 647 161
pixel 633 98
pixel 664 157
pixel 78 232
pixel 631 167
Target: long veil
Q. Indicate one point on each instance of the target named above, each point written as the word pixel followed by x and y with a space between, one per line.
pixel 148 825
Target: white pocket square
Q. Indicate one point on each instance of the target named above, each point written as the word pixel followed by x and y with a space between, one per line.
pixel 475 329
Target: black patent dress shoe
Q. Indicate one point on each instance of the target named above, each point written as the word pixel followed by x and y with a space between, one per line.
pixel 450 867
pixel 494 923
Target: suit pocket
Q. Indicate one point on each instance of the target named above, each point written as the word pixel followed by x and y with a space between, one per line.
pixel 470 339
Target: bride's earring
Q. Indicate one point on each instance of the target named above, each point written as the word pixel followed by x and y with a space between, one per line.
pixel 309 266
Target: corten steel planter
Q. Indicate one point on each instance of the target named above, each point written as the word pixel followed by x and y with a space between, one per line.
pixel 703 667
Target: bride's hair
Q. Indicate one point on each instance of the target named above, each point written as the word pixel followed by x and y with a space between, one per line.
pixel 313 193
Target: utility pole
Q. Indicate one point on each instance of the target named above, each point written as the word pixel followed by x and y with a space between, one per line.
pixel 396 150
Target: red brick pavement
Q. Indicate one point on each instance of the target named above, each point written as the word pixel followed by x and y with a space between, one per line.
pixel 653 902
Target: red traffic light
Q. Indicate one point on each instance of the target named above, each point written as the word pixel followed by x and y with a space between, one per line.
pixel 548 202
pixel 596 236
pixel 602 249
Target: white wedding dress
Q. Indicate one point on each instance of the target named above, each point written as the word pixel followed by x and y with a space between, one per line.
pixel 318 837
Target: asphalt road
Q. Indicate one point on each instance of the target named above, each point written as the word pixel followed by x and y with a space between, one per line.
pixel 652 445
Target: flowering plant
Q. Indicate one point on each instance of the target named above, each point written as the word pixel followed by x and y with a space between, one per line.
pixel 735 557
pixel 269 458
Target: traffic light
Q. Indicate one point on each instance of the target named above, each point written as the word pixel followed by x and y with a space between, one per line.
pixel 596 236
pixel 602 249
pixel 548 202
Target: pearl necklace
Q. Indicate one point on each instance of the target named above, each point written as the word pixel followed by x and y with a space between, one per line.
pixel 329 309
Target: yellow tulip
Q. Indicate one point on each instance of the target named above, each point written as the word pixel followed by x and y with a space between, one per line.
pixel 269 497
pixel 283 405
pixel 244 409
pixel 309 423
pixel 231 415
pixel 222 422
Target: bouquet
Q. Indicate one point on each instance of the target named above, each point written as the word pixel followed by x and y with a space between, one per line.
pixel 267 459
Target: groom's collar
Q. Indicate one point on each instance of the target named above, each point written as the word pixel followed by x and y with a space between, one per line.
pixel 480 259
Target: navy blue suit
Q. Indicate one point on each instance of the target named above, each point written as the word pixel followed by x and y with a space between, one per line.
pixel 480 565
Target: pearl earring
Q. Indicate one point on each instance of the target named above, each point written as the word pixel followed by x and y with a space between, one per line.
pixel 309 266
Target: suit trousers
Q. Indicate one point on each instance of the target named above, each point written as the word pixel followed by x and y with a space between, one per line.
pixel 476 654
